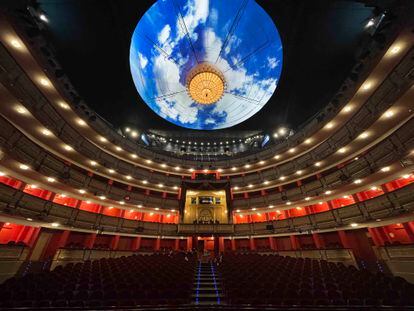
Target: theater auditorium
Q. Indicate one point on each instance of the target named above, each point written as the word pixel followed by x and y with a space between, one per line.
pixel 206 155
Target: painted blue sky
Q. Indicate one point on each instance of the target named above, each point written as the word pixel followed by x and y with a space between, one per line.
pixel 237 36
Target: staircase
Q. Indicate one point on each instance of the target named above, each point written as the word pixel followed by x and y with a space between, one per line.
pixel 207 285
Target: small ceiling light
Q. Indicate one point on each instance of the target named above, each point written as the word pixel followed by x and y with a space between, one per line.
pixel 288 203
pixel 118 148
pixel 238 211
pixel 406 176
pixel 67 148
pixel 370 23
pixel 253 209
pixel 82 191
pixel 51 179
pixel 177 168
pixel 329 125
pixel 385 169
pixel 44 82
pixel 282 131
pixel 134 156
pixel 320 203
pixel 354 225
pixel 157 209
pixel 20 109
pixel 127 130
pixel 247 166
pixel 173 210
pixel 134 134
pixel 94 163
pixel 299 172
pixel 121 202
pixel 328 192
pixel 262 162
pixel 277 157
pixel 298 208
pixel 163 165
pixel 102 197
pixel 191 170
pixel 111 171
pixel 266 182
pixel 46 132
pixel 63 105
pixel 205 170
pixel 220 170
pixel 395 49
pixel 29 219
pixel 43 18
pixel 102 139
pixel 233 168
pixel 275 135
pixel 374 188
pixel 342 150
pixel 175 188
pixel 366 86
pixel 282 178
pixel 250 186
pixel 236 188
pixel 160 185
pixel 271 206
pixel 348 108
pixel 144 182
pixel 307 198
pixel 139 205
pixel 357 181
pixel 23 167
pixel 308 141
pixel 389 114
pixel 363 135
pixel 278 211
pixel 33 186
pixel 292 150
pixel 148 161
pixel 2 174
pixel 16 44
pixel 81 122
pixel 317 164
pixel 54 224
pixel 128 177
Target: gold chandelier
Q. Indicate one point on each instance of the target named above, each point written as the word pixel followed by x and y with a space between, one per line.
pixel 205 84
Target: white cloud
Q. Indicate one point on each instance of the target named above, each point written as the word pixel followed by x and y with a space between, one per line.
pixel 273 62
pixel 210 121
pixel 164 35
pixel 197 13
pixel 143 61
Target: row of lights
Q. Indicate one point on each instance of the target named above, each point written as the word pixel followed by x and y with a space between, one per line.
pixel 329 192
pixel 25 167
pixel 16 43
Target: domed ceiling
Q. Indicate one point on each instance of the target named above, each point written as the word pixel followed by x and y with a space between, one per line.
pixel 206 64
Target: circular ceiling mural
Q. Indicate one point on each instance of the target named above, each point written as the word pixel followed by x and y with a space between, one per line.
pixel 206 64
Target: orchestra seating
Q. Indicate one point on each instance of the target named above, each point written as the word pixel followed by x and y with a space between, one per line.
pixel 126 281
pixel 270 279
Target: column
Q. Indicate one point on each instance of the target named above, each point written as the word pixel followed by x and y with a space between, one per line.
pixel 115 242
pixel 63 238
pixel 294 242
pixel 90 240
pixel 233 244
pixel 409 230
pixel 136 243
pixel 189 243
pixel 375 237
pixel 221 244
pixel 272 243
pixel 317 239
pixel 157 244
pixel 177 244
pixel 344 239
pixel 252 244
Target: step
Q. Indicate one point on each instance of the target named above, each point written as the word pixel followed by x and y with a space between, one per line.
pixel 205 283
pixel 208 295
